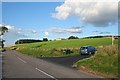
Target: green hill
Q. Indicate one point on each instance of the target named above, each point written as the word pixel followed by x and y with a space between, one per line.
pixel 54 48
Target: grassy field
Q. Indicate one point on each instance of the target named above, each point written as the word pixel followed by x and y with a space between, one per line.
pixel 74 43
pixel 54 48
pixel 104 62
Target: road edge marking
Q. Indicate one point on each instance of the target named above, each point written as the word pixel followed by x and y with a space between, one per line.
pixel 22 60
pixel 46 73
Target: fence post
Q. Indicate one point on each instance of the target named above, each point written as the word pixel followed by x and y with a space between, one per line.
pixel 112 40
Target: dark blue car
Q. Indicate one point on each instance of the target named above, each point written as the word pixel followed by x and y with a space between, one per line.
pixel 87 50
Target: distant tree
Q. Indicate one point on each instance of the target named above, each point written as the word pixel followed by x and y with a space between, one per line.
pixel 73 37
pixel 50 40
pixel 45 39
pixel 23 41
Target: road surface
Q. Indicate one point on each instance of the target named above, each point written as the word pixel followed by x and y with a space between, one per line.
pixel 17 65
pixel 0 65
pixel 67 61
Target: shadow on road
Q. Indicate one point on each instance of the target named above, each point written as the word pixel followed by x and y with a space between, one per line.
pixel 66 61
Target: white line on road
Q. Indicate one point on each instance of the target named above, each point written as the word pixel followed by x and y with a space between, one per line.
pixel 21 60
pixel 0 55
pixel 46 73
pixel 1 58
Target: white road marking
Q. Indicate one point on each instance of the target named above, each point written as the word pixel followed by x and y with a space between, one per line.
pixel 1 58
pixel 21 60
pixel 46 73
pixel 1 65
pixel 1 55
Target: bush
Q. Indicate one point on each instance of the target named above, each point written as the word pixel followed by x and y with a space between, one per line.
pixel 73 37
pixel 45 39
pixel 13 48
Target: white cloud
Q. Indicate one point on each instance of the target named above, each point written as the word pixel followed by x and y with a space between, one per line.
pixel 13 34
pixel 10 27
pixel 63 12
pixel 12 30
pixel 97 13
pixel 46 33
pixel 59 30
pixel 74 30
pixel 99 32
pixel 34 31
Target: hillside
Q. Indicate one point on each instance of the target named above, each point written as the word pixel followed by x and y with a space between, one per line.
pixel 54 48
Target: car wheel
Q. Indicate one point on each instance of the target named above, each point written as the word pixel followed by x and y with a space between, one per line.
pixel 93 53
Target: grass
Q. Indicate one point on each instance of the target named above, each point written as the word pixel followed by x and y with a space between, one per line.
pixel 74 43
pixel 104 62
pixel 54 48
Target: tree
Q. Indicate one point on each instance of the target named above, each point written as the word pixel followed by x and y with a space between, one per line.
pixel 23 41
pixel 3 29
pixel 73 37
pixel 45 39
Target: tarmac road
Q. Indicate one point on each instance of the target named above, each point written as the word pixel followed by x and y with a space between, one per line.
pixel 0 65
pixel 17 65
pixel 67 61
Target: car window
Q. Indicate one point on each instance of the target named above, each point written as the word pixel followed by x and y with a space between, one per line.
pixel 82 48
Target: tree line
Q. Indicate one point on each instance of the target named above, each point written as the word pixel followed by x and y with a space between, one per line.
pixel 23 41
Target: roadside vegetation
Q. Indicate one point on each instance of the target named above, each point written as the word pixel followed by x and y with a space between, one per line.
pixel 104 62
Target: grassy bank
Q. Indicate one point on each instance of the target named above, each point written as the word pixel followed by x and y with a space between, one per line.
pixel 55 48
pixel 104 62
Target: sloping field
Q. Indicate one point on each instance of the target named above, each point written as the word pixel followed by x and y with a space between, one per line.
pixel 73 43
pixel 54 48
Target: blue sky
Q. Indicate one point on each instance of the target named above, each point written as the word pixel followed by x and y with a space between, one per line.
pixel 0 12
pixel 37 20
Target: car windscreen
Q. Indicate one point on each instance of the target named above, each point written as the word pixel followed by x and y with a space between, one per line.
pixel 82 48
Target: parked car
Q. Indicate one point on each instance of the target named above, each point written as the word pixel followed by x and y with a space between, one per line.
pixel 87 50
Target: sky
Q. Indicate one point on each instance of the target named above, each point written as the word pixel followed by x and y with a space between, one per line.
pixel 38 20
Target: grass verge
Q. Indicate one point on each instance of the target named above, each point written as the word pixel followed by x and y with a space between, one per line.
pixel 104 62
